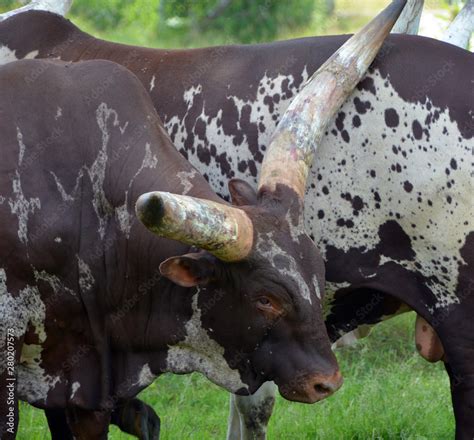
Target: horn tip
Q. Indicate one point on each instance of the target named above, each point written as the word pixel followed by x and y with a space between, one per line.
pixel 150 209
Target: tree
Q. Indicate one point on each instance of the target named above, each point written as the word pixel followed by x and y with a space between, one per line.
pixel 244 20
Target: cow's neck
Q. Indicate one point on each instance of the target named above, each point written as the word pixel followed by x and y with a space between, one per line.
pixel 160 327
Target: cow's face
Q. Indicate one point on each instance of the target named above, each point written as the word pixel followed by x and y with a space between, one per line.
pixel 265 311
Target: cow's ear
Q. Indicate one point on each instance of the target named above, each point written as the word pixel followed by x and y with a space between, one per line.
pixel 189 270
pixel 242 193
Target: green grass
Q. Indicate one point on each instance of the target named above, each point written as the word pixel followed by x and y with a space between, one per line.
pixel 389 393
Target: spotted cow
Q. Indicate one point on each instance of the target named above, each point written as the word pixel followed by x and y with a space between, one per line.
pixel 388 201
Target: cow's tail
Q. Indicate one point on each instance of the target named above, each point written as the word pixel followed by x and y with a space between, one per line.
pixel 460 30
pixel 60 7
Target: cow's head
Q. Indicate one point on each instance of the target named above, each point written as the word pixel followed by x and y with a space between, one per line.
pixel 256 253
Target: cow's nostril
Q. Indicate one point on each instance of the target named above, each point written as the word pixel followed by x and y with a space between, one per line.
pixel 322 389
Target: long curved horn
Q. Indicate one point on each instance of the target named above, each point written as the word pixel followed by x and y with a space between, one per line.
pixel 60 7
pixel 460 30
pixel 297 136
pixel 409 20
pixel 225 231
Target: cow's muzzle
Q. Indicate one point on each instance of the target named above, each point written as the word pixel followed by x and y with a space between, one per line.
pixel 311 388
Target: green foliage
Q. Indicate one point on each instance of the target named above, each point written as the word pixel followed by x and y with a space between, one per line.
pixel 189 22
pixel 245 20
pixel 242 20
pixel 108 14
pixel 8 5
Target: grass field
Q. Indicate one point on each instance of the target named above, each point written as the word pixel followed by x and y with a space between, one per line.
pixel 389 393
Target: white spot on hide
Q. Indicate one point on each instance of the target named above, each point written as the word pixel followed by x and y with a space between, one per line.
pixel 74 387
pixel 22 207
pixel 53 281
pixel 7 55
pixel 185 180
pixel 25 311
pixel 268 248
pixel 21 144
pixel 64 195
pixel 19 204
pixel 198 352
pixel 33 382
pixel 86 279
pixel 123 217
pixel 96 171
pixel 295 231
pixel 316 286
pixel 123 128
pixel 145 377
pixel 122 213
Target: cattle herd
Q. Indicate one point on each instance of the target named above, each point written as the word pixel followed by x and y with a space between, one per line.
pixel 236 211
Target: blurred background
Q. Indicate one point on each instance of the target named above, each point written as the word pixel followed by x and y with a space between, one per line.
pixel 193 23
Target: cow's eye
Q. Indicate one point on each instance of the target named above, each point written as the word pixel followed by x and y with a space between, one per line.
pixel 268 306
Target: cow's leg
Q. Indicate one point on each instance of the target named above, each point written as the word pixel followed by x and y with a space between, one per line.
pixel 249 415
pixel 58 426
pixel 233 423
pixel 137 418
pixel 458 363
pixel 88 425
pixel 460 367
pixel 132 416
pixel 462 393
